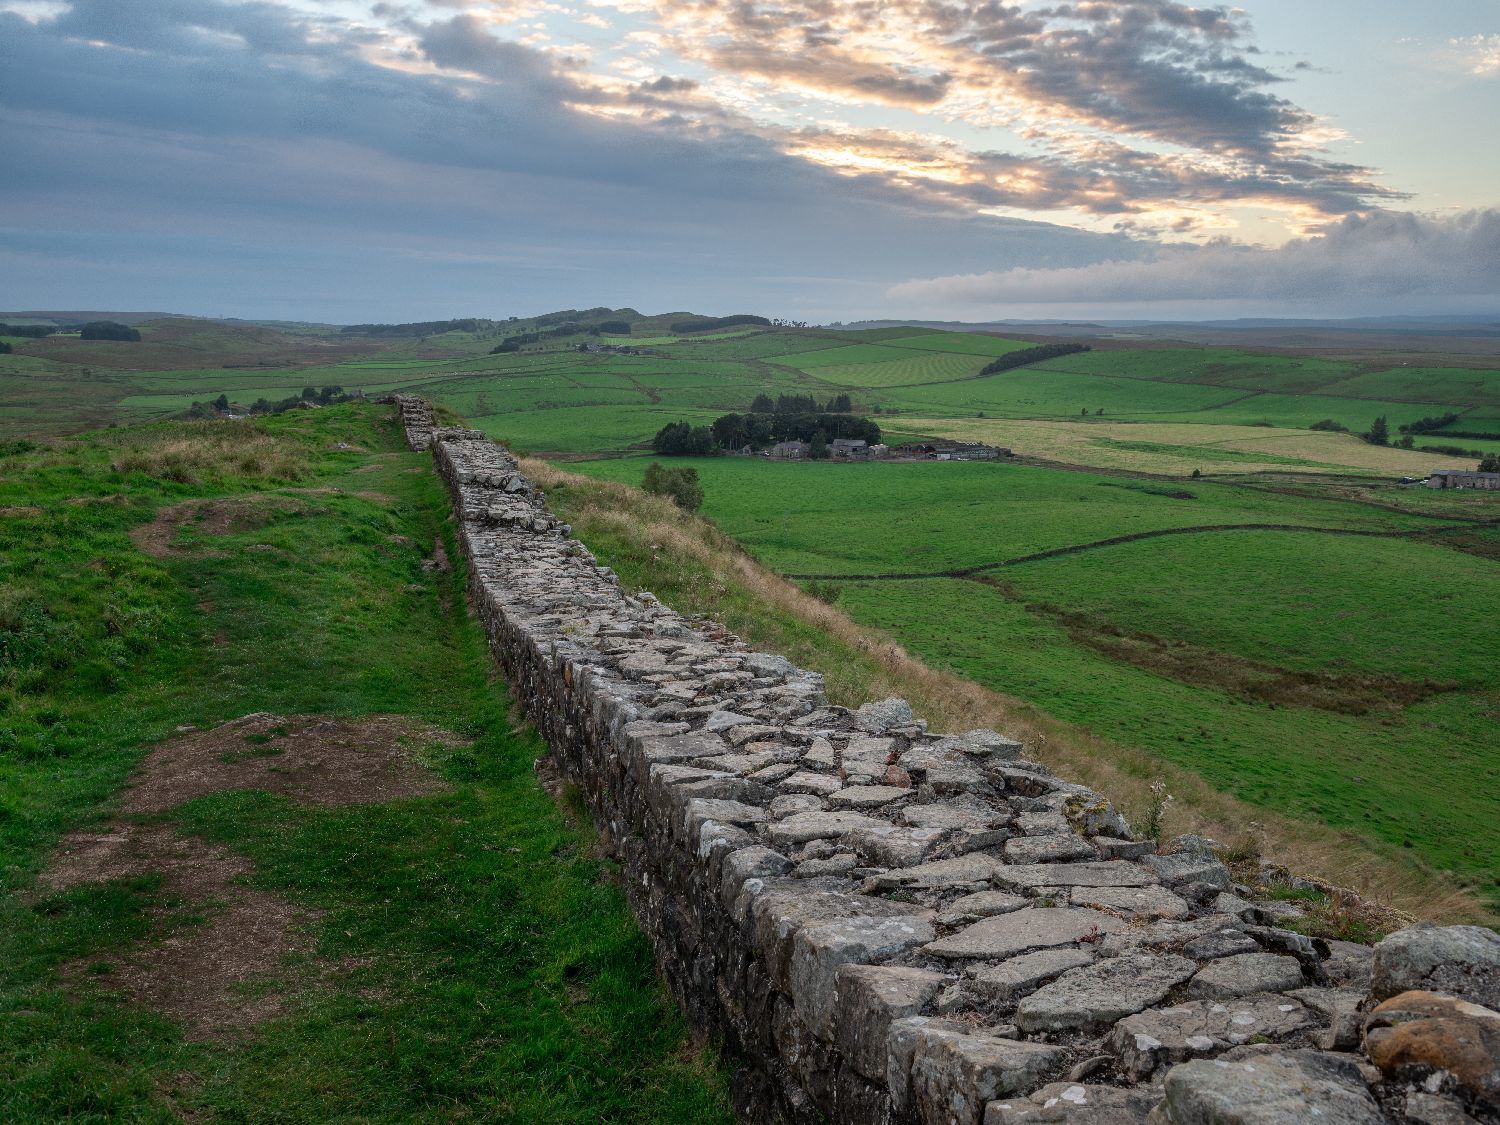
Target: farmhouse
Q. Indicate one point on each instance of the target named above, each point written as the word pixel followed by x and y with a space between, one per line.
pixel 1447 478
pixel 790 451
pixel 849 449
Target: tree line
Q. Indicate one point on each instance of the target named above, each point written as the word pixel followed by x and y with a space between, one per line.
pixel 760 431
pixel 1026 356
pixel 800 404
pixel 329 395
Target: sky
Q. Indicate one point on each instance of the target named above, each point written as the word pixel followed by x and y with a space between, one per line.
pixel 818 160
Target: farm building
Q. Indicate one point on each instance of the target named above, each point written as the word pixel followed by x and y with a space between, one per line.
pixel 950 451
pixel 1447 478
pixel 849 449
pixel 971 451
pixel 790 451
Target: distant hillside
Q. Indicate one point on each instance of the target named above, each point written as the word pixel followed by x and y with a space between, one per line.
pixel 177 343
pixel 78 316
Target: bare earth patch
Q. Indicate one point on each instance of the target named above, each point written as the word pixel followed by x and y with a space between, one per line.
pixel 310 758
pixel 213 517
pixel 225 962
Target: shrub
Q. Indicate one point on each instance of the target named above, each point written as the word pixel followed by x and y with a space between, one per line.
pixel 680 484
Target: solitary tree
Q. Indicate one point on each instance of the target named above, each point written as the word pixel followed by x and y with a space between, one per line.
pixel 1490 463
pixel 1380 433
pixel 222 403
pixel 817 449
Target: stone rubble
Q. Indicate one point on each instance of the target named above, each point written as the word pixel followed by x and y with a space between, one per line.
pixel 885 925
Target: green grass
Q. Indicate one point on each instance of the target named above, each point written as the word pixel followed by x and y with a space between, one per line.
pixel 1424 778
pixel 872 518
pixel 487 964
pixel 1374 613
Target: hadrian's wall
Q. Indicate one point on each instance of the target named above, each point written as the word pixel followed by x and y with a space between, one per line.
pixel 882 924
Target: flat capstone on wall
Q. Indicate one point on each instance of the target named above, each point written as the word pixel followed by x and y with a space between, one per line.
pixel 883 924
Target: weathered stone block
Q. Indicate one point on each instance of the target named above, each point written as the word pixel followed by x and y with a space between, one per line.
pixel 1103 992
pixel 869 998
pixel 818 952
pixel 1244 973
pixel 955 1075
pixel 1032 928
pixel 1273 1088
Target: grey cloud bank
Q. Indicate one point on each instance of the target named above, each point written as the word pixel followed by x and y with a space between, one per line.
pixel 260 159
pixel 1382 260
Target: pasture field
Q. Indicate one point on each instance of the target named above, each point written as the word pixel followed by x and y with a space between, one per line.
pixel 1176 449
pixel 195 573
pixel 1347 679
pixel 822 519
pixel 1339 677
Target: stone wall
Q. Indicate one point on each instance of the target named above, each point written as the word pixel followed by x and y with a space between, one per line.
pixel 882 924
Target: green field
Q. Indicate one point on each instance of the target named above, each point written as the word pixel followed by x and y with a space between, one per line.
pixel 460 954
pixel 1190 645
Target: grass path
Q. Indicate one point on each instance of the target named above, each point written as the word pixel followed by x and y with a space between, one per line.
pixel 458 952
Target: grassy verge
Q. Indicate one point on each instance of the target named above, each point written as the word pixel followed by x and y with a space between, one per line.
pixel 471 956
pixel 694 567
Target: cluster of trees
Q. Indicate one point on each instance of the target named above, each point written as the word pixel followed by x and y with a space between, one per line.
pixel 5 348
pixel 800 404
pixel 27 331
pixel 781 322
pixel 1031 355
pixel 1490 463
pixel 759 431
pixel 681 484
pixel 713 323
pixel 683 439
pixel 108 330
pixel 1330 425
pixel 419 327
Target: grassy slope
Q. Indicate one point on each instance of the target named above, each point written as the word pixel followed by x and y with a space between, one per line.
pixel 800 518
pixel 697 568
pixel 492 969
pixel 1300 602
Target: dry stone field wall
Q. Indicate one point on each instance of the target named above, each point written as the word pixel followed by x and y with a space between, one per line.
pixel 883 924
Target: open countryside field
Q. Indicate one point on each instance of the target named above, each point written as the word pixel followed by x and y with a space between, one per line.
pixel 454 950
pixel 1341 677
pixel 1334 660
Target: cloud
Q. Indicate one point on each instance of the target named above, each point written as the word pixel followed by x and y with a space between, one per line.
pixel 1361 259
pixel 1480 53
pixel 1121 78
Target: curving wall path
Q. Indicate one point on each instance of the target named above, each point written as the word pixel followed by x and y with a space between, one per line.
pixel 882 924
